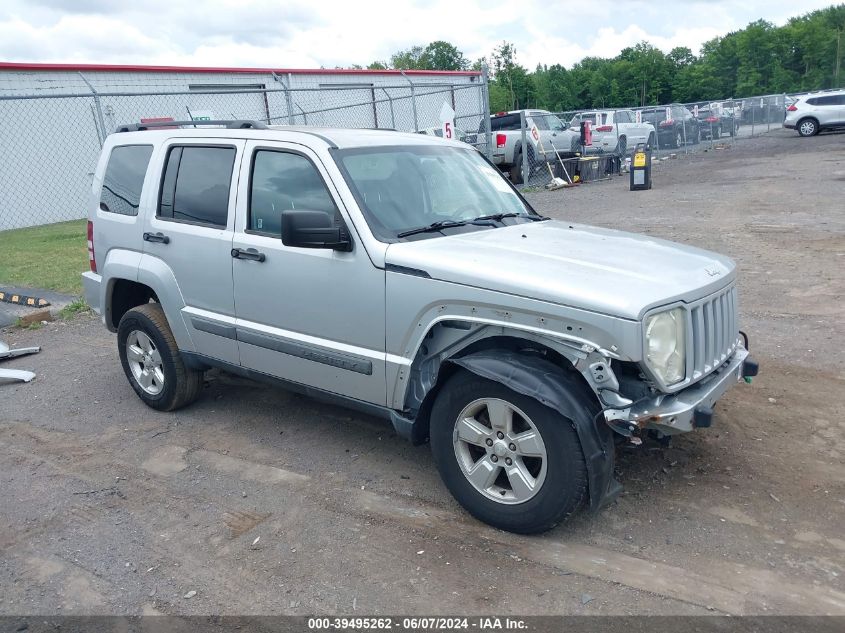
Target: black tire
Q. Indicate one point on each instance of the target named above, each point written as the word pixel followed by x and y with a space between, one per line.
pixel 564 487
pixel 515 171
pixel 807 127
pixel 622 146
pixel 181 385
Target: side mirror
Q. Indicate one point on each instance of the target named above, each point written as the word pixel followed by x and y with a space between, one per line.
pixel 313 229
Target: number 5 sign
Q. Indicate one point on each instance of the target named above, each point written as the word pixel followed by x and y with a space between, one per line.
pixel 447 122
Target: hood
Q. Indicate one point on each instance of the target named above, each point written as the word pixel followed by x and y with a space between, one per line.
pixel 606 271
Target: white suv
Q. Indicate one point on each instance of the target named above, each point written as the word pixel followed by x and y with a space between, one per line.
pixel 812 113
pixel 615 130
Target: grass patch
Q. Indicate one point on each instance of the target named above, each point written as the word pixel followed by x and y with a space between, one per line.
pixel 72 309
pixel 51 256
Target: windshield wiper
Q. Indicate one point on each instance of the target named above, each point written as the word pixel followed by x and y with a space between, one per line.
pixel 498 217
pixel 483 220
pixel 433 227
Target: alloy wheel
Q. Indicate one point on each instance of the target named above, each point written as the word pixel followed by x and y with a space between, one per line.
pixel 500 450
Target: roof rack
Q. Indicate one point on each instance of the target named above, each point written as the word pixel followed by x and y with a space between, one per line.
pixel 236 124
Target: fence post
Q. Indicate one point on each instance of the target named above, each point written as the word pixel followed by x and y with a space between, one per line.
pixel 526 171
pixel 413 99
pixel 485 110
pixel 288 99
pixel 768 113
pixel 101 132
pixel 752 119
pixel 392 114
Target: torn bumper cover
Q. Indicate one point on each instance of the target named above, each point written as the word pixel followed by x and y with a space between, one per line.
pixel 687 409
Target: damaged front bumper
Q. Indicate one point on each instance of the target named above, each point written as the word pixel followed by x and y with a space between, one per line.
pixel 687 409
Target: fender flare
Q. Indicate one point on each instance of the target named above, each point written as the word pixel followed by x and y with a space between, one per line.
pixel 552 386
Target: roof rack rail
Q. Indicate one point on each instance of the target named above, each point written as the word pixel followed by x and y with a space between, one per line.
pixel 232 124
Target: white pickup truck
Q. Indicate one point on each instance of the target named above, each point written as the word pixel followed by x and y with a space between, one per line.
pixel 555 140
pixel 615 131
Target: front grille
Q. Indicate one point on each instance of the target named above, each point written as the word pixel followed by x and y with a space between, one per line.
pixel 714 333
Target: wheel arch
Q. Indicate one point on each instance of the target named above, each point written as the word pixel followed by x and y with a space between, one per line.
pixel 562 390
pixel 121 296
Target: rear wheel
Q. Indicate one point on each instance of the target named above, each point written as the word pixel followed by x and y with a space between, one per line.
pixel 152 362
pixel 622 146
pixel 515 172
pixel 808 127
pixel 509 460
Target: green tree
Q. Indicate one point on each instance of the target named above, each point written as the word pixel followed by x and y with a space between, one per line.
pixel 409 59
pixel 510 76
pixel 442 55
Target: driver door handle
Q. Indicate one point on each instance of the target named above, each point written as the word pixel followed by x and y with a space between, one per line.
pixel 248 253
pixel 161 238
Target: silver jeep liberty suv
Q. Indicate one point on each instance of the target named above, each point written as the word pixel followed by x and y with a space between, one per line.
pixel 402 275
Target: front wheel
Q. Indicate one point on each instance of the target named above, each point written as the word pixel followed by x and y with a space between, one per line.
pixel 152 362
pixel 507 459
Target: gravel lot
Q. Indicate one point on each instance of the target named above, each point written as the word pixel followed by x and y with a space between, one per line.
pixel 262 502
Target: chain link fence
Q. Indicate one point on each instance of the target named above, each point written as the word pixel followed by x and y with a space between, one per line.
pixel 536 151
pixel 50 142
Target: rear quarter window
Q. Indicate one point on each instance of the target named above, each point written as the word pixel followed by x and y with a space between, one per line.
pixel 124 179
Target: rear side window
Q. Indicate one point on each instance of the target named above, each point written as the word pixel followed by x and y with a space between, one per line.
pixel 505 122
pixel 826 100
pixel 283 180
pixel 124 179
pixel 195 186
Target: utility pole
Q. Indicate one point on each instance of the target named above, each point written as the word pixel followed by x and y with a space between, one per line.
pixel 838 59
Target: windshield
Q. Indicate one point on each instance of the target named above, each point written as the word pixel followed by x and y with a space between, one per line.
pixel 400 188
pixel 654 116
pixel 547 122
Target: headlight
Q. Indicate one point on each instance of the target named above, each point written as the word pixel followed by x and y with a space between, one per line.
pixel 665 335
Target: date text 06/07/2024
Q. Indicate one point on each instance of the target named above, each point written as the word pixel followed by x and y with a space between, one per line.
pixel 481 624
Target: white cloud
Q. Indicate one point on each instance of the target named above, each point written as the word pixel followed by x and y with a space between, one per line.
pixel 304 33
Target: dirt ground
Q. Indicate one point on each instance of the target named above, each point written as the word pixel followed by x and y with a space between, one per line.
pixel 262 502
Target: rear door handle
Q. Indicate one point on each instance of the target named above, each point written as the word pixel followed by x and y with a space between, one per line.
pixel 156 237
pixel 248 253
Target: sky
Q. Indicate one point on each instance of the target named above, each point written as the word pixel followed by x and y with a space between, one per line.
pixel 340 33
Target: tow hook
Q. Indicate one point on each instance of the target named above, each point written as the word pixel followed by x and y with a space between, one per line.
pixel 750 368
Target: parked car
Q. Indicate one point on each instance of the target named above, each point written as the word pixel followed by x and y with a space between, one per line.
pixel 555 139
pixel 405 277
pixel 713 122
pixel 810 114
pixel 615 130
pixel 675 125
